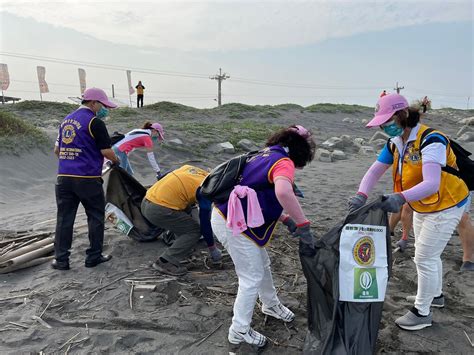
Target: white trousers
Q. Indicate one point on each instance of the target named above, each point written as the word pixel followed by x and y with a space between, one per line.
pixel 432 233
pixel 252 266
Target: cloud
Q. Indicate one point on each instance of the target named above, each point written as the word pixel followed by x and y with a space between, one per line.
pixel 229 25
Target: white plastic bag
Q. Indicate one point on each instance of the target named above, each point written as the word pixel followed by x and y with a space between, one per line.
pixel 114 215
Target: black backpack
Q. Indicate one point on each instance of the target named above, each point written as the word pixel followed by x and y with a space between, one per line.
pixel 218 185
pixel 116 137
pixel 465 165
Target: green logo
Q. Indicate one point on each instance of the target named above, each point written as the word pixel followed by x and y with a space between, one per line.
pixel 365 283
pixel 123 227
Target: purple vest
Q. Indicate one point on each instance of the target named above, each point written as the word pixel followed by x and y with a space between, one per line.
pixel 78 152
pixel 255 175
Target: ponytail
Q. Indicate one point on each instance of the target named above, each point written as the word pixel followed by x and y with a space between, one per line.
pixel 147 125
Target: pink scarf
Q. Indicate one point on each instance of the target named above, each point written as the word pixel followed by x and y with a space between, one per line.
pixel 235 213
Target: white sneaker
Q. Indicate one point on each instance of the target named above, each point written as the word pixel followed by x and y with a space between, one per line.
pixel 279 312
pixel 251 337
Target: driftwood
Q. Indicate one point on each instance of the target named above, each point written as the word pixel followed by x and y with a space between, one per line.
pixel 28 264
pixel 26 249
pixel 8 266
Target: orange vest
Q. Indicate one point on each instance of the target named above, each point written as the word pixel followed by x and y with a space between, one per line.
pixel 452 189
pixel 177 190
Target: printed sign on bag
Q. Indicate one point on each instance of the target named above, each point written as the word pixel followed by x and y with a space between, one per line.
pixel 363 270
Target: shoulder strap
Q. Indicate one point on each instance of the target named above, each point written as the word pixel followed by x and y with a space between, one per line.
pixel 391 146
pixel 447 168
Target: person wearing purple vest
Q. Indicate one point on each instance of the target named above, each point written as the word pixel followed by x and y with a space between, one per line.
pixel 264 191
pixel 83 142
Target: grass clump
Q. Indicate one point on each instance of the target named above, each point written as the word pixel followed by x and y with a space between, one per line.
pixel 169 107
pixel 232 131
pixel 62 108
pixel 17 135
pixel 336 108
pixel 288 107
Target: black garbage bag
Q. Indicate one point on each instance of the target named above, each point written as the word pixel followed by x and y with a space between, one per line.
pixel 126 193
pixel 348 327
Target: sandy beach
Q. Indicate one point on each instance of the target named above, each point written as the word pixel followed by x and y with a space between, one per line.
pixel 98 311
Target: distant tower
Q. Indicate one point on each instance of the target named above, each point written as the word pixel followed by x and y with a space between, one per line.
pixel 398 88
pixel 219 77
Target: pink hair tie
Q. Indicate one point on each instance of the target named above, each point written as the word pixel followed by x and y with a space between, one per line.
pixel 303 132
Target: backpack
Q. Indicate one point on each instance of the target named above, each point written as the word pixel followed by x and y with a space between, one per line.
pixel 465 165
pixel 218 185
pixel 116 137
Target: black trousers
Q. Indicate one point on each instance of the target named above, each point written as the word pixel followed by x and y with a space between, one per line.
pixel 139 100
pixel 71 191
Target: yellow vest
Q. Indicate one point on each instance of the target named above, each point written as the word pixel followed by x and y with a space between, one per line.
pixel 177 190
pixel 452 189
pixel 140 90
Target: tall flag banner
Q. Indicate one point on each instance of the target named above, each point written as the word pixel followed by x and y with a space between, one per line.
pixel 131 90
pixel 43 86
pixel 4 77
pixel 82 79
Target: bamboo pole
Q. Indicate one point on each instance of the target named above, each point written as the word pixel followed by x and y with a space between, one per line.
pixel 31 263
pixel 26 249
pixel 27 257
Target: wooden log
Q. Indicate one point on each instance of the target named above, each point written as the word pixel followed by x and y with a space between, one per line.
pixel 28 256
pixel 26 249
pixel 28 264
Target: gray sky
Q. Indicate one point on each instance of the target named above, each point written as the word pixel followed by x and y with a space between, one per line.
pixel 274 51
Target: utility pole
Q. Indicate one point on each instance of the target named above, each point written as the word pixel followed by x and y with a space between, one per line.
pixel 468 99
pixel 398 88
pixel 219 77
pixel 113 91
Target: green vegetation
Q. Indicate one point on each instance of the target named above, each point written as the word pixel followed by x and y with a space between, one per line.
pixel 17 135
pixel 169 107
pixel 225 131
pixel 334 108
pixel 62 108
pixel 288 107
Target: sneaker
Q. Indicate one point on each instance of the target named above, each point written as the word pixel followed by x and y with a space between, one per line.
pixel 169 268
pixel 413 321
pixel 438 302
pixel 467 266
pixel 250 337
pixel 279 312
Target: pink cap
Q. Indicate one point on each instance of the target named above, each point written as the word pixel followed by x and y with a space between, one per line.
pixel 303 132
pixel 98 95
pixel 386 106
pixel 160 129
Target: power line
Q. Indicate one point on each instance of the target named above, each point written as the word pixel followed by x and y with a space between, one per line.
pixel 182 74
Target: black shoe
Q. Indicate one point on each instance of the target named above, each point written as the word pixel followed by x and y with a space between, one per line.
pixel 60 265
pixel 101 259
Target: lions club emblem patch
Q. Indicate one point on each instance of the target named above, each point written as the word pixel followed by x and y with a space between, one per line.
pixel 68 134
pixel 364 251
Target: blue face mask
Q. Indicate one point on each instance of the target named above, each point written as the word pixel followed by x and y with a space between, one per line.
pixel 102 113
pixel 393 130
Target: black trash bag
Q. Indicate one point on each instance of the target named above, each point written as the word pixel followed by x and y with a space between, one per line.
pixel 334 326
pixel 126 193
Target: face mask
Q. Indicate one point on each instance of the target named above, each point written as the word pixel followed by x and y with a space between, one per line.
pixel 102 113
pixel 393 130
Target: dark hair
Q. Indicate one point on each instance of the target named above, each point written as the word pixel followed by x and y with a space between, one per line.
pixel 84 102
pixel 301 150
pixel 147 125
pixel 409 120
